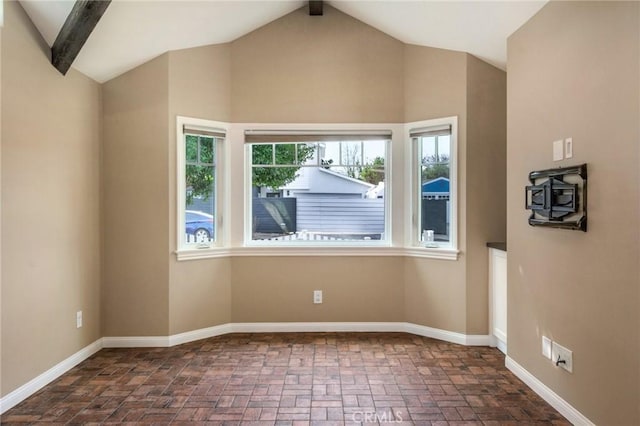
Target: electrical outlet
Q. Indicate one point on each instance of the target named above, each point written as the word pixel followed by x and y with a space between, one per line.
pixel 317 296
pixel 562 357
pixel 568 148
pixel 78 319
pixel 546 347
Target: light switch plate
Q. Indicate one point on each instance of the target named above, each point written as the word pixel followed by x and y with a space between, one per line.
pixel 568 148
pixel 558 150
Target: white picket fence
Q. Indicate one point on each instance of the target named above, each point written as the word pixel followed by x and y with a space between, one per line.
pixel 189 238
pixel 310 236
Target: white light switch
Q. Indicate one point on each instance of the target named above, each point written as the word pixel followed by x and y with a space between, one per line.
pixel 558 150
pixel 568 148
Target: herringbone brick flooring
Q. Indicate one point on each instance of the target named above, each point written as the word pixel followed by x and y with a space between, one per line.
pixel 297 378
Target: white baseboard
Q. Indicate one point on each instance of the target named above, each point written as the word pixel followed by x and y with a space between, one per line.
pixel 136 342
pixel 311 327
pixel 23 392
pixel 448 336
pixel 203 333
pixel 563 407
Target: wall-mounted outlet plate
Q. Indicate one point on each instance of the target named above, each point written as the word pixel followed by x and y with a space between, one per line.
pixel 546 347
pixel 317 296
pixel 78 319
pixel 558 150
pixel 560 353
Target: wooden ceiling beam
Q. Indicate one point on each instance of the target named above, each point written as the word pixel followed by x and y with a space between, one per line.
pixel 315 7
pixel 81 21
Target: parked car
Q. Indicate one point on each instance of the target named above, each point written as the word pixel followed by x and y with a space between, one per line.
pixel 199 224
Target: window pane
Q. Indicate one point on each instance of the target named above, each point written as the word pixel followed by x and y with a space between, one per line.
pixel 199 190
pixel 306 153
pixel 191 148
pixel 329 153
pixel 340 199
pixel 285 153
pixel 351 153
pixel 435 189
pixel 444 143
pixel 262 154
pixel 206 150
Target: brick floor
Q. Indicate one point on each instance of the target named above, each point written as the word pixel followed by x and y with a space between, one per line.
pixel 291 379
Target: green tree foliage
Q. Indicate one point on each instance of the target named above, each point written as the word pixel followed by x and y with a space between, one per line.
pixel 373 172
pixel 432 169
pixel 199 168
pixel 285 154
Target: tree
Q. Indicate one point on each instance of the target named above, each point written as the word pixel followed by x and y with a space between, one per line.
pixel 432 169
pixel 285 154
pixel 199 174
pixel 373 172
pixel 351 154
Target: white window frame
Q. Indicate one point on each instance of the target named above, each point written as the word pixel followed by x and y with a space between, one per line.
pixel 416 247
pixel 324 247
pixel 188 251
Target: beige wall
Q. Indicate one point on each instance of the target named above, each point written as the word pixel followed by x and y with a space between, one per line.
pixel 486 185
pixel 50 206
pixel 435 82
pixel 434 293
pixel 310 69
pixel 574 72
pixel 200 83
pixel 277 289
pixel 333 69
pixel 135 178
pixel 1 392
pixel 199 87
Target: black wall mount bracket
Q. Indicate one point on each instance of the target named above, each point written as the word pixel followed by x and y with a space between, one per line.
pixel 557 198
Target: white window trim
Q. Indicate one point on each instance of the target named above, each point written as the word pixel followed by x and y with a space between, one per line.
pixel 232 173
pixel 334 248
pixel 216 249
pixel 414 246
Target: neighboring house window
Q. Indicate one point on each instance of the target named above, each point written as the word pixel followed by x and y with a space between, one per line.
pixel 317 189
pixel 198 155
pixel 434 148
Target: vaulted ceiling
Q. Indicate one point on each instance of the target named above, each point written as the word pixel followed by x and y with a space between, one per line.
pixel 132 32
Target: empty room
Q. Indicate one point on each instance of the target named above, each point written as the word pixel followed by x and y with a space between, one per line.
pixel 320 212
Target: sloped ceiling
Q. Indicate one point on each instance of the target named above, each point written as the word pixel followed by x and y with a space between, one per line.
pixel 133 32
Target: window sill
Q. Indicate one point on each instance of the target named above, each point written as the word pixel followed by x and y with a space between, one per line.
pixel 316 250
pixel 202 253
pixel 313 251
pixel 432 253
